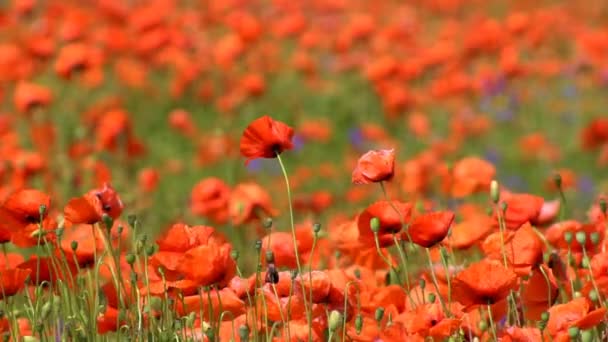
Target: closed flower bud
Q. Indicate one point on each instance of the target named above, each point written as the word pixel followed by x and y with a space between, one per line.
pixel 494 191
pixel 374 224
pixel 359 324
pixel 379 314
pixel 581 237
pixel 335 320
pixel 130 258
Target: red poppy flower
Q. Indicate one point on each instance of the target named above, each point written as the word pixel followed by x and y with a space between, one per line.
pixel 265 138
pixel 429 229
pixel 482 283
pixel 225 299
pixel 595 133
pixel 90 208
pixel 12 281
pixel 391 215
pixel 523 248
pixel 181 237
pixel 219 269
pixel 471 175
pixel 249 201
pixel 575 313
pixel 374 166
pixel 209 198
pixel 20 216
pixel 521 208
pixel 30 95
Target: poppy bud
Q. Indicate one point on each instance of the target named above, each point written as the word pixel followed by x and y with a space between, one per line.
pixel 267 223
pixel 544 316
pixel 74 245
pixel 132 221
pixel 269 257
pixel 258 245
pixel 483 326
pixel 234 254
pixel 568 237
pixel 577 294
pixel 130 258
pixel 593 296
pixel 133 277
pixel 335 320
pixel 59 232
pixel 316 228
pixel 244 333
pixel 359 323
pixel 379 314
pixel 494 191
pixel 419 206
pixel 149 250
pixel 42 210
pixel 587 336
pixel 107 221
pixel 432 298
pixel 573 332
pixel 46 310
pixel 595 238
pixel 374 224
pixel 581 237
pixel 272 275
pixel 503 207
pixel 557 179
pixel 603 206
pixel 585 263
pixel 422 283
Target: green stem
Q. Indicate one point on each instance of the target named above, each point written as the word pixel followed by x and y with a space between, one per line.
pixel 293 235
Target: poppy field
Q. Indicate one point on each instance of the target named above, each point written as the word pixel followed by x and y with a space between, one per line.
pixel 323 170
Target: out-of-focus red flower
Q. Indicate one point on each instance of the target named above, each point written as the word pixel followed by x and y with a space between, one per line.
pixel 148 179
pixel 181 121
pixel 595 133
pixel 249 201
pixel 210 198
pixel 374 166
pixel 30 95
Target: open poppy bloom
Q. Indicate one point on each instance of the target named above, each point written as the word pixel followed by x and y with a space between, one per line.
pixel 429 229
pixel 90 208
pixel 483 283
pixel 21 217
pixel 265 138
pixel 391 217
pixel 520 208
pixel 249 201
pixel 374 166
pixel 576 313
pixel 471 175
pixel 523 248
